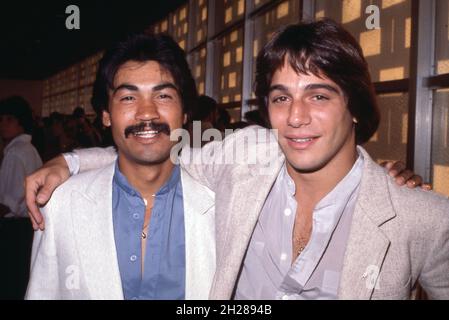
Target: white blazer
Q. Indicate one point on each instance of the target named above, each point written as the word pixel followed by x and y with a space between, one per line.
pixel 75 256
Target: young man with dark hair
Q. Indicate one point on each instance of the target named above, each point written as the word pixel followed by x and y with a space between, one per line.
pixel 322 221
pixel 20 157
pixel 333 225
pixel 99 242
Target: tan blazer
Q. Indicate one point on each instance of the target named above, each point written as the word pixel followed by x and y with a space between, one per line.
pixel 75 257
pixel 398 235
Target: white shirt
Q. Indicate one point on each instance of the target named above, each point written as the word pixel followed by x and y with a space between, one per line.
pixel 20 159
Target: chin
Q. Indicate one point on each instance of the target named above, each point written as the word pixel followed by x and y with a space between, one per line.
pixel 150 158
pixel 307 168
pixel 145 157
pixel 307 163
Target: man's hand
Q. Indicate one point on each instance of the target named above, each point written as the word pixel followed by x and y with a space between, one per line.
pixel 40 185
pixel 403 176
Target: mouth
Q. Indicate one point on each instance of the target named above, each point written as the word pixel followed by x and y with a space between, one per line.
pixel 302 140
pixel 149 134
pixel 302 143
pixel 147 130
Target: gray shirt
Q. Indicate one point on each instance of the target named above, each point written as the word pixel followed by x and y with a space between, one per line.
pixel 267 271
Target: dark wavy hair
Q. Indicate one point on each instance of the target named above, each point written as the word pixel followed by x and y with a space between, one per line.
pixel 144 47
pixel 322 48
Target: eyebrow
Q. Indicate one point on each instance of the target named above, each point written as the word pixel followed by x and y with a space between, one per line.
pixel 165 85
pixel 312 86
pixel 279 87
pixel 159 87
pixel 126 86
pixel 325 86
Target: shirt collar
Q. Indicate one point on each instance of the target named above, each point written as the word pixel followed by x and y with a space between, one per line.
pixel 345 187
pixel 285 179
pixel 172 181
pixel 123 183
pixel 20 138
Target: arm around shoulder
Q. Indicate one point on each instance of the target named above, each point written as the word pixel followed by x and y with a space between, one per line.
pixel 94 158
pixel 210 164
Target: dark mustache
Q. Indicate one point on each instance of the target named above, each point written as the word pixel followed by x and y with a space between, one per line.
pixel 152 126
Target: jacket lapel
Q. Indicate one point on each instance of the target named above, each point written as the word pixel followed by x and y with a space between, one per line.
pixel 367 244
pixel 199 222
pixel 245 208
pixel 94 234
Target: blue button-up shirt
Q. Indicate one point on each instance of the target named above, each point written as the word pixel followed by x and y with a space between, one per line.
pixel 164 271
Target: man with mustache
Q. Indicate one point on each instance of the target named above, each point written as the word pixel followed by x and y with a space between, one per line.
pixel 139 228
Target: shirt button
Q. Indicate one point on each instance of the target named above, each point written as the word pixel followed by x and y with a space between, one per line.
pixel 283 256
pixel 287 212
pixel 133 258
pixel 285 297
pixel 136 216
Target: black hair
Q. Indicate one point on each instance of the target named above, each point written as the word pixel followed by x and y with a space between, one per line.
pixel 145 47
pixel 19 108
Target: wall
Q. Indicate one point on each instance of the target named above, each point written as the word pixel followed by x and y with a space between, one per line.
pixel 30 90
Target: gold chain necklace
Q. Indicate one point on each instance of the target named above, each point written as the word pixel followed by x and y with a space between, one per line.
pixel 301 242
pixel 144 232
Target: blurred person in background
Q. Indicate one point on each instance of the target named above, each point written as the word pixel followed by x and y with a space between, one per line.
pixel 20 157
pixel 86 134
pixel 255 117
pixel 206 113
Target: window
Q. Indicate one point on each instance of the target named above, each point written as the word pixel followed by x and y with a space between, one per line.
pixel 227 12
pixel 199 29
pixel 230 61
pixel 159 27
pixel 258 3
pixel 387 50
pixel 197 62
pixel 266 23
pixel 390 140
pixel 71 88
pixel 442 37
pixel 222 54
pixel 440 141
pixel 180 26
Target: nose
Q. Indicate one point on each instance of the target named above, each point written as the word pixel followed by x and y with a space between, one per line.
pixel 299 114
pixel 147 111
